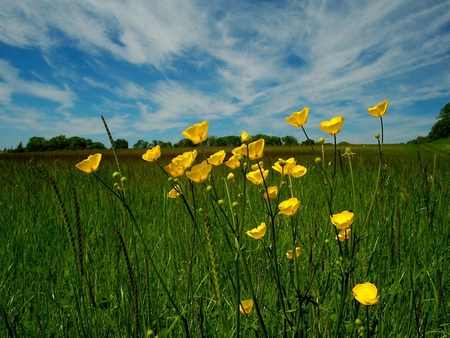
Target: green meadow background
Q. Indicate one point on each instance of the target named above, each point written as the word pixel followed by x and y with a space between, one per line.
pixel 90 274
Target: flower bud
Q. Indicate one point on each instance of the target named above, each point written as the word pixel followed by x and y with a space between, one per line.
pixel 209 188
pixel 116 174
pixel 321 140
pixel 377 135
pixel 235 204
pixel 221 202
pixel 358 321
pixel 230 177
pixel 123 179
pixel 245 138
pixel 318 160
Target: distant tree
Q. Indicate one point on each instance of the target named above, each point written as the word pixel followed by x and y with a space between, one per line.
pixel 141 144
pixel 308 142
pixel 36 143
pixel 20 148
pixel 269 140
pixel 183 143
pixel 78 143
pixel 121 143
pixel 58 143
pixel 289 140
pixel 163 144
pixel 96 145
pixel 441 129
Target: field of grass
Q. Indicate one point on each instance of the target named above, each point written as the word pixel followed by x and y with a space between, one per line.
pixel 100 256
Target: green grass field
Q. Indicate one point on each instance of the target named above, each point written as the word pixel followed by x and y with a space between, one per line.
pixel 94 256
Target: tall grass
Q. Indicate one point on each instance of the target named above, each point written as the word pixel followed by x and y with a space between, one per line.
pixel 131 262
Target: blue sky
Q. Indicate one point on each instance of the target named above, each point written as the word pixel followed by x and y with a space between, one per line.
pixel 152 68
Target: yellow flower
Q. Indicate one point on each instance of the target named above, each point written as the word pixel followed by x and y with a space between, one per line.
pixel 152 154
pixel 258 232
pixel 175 192
pixel 90 164
pixel 298 118
pixel 343 220
pixel 289 207
pixel 256 177
pixel 289 167
pixel 197 133
pixel 245 138
pixel 246 306
pixel 333 126
pixel 180 163
pixel 258 165
pixel 233 162
pixel 366 294
pixel 199 172
pixel 344 234
pixel 379 110
pixel 255 149
pixel 298 251
pixel 271 193
pixel 240 151
pixel 230 177
pixel 217 158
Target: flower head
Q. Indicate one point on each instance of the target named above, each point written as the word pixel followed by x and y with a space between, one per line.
pixel 379 110
pixel 255 149
pixel 152 154
pixel 289 207
pixel 366 294
pixel 199 172
pixel 333 126
pixel 343 220
pixel 245 138
pixel 271 193
pixel 246 306
pixel 175 192
pixel 180 163
pixel 298 118
pixel 240 151
pixel 257 177
pixel 258 232
pixel 197 133
pixel 90 164
pixel 289 254
pixel 258 165
pixel 289 167
pixel 216 159
pixel 233 162
pixel 344 234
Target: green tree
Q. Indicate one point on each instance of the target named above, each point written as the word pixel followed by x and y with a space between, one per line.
pixel 121 143
pixel 441 129
pixel 289 140
pixel 141 144
pixel 36 143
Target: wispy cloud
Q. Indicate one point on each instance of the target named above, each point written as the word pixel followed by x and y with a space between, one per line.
pixel 246 64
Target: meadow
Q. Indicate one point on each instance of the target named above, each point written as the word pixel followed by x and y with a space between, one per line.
pixel 103 255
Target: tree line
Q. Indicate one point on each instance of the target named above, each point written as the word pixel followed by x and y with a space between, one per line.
pixel 61 142
pixel 440 130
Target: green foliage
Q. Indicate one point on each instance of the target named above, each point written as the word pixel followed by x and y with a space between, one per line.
pixel 121 143
pixel 440 130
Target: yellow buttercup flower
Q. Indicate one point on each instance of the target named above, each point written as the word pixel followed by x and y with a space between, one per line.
pixel 298 118
pixel 258 165
pixel 289 254
pixel 344 234
pixel 216 159
pixel 90 164
pixel 256 177
pixel 366 294
pixel 258 232
pixel 233 162
pixel 175 192
pixel 152 154
pixel 333 126
pixel 343 220
pixel 271 193
pixel 289 207
pixel 240 151
pixel 245 138
pixel 256 149
pixel 379 110
pixel 180 163
pixel 246 306
pixel 289 167
pixel 199 172
pixel 197 133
